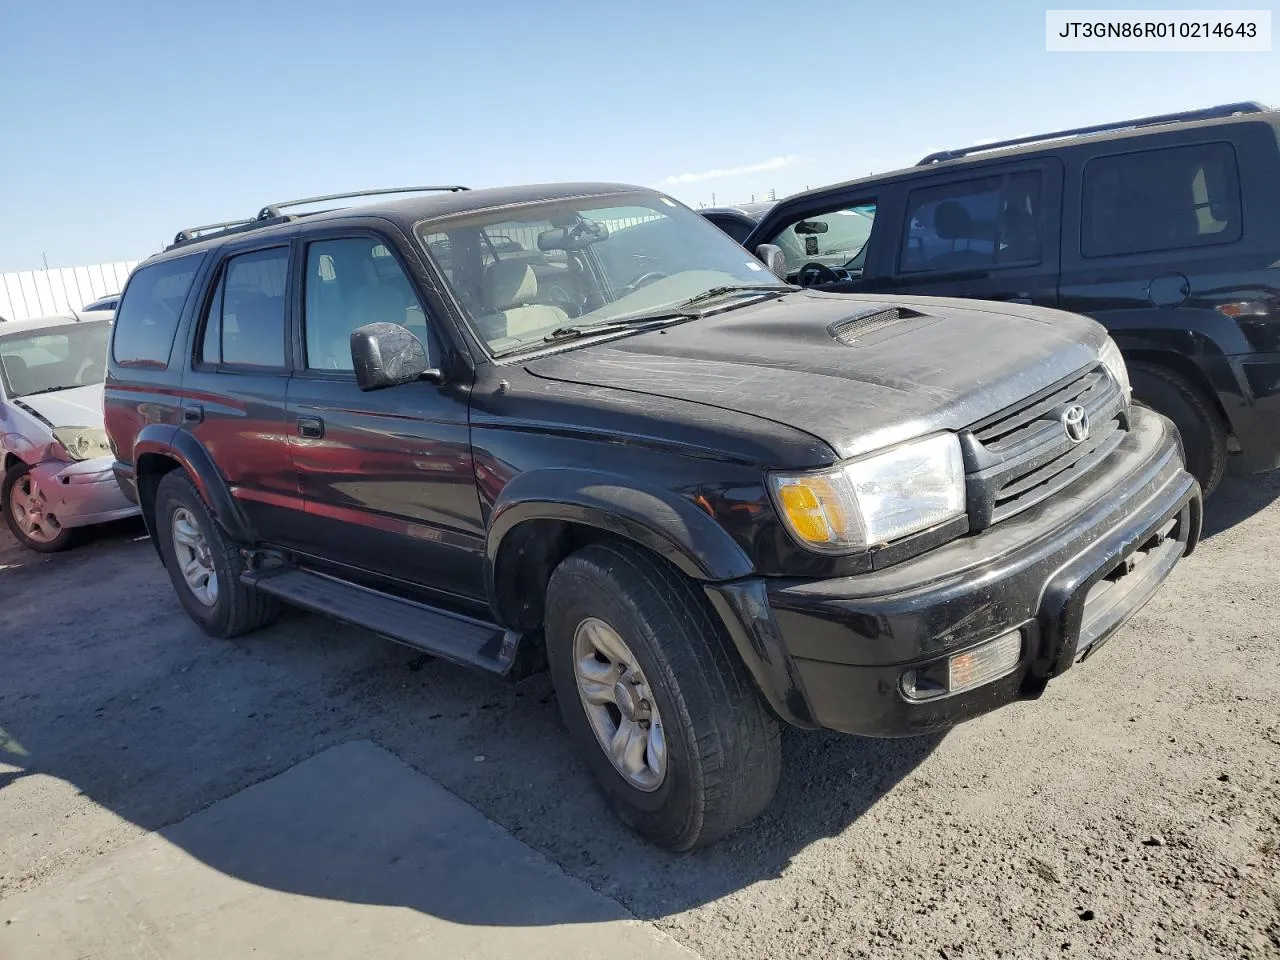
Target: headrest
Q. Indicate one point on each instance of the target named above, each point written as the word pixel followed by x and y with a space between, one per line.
pixel 951 221
pixel 509 283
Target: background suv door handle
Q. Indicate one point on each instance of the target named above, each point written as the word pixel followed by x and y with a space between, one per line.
pixel 310 427
pixel 192 412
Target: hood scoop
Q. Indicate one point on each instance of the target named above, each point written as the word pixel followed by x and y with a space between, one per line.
pixel 861 325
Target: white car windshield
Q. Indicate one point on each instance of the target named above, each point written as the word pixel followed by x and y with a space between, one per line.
pixel 45 359
pixel 523 273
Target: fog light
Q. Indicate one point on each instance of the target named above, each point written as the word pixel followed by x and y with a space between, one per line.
pixel 964 671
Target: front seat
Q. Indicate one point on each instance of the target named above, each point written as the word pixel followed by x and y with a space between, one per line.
pixel 508 292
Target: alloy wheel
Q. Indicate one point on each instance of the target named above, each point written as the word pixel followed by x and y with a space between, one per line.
pixel 619 704
pixel 195 562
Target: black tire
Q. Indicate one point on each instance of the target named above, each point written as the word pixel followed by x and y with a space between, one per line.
pixel 1201 426
pixel 723 748
pixel 59 541
pixel 237 609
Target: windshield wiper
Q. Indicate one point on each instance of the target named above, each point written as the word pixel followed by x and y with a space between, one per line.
pixel 716 292
pixel 612 326
pixel 32 393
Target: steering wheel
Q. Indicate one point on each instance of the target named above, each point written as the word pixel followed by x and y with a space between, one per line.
pixel 814 272
pixel 558 296
pixel 646 278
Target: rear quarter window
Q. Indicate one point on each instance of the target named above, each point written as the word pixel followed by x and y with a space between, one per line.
pixel 1166 199
pixel 147 317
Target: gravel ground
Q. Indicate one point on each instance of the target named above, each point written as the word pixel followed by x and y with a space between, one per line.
pixel 1133 811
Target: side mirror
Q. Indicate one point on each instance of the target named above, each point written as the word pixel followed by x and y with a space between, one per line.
pixel 387 354
pixel 773 258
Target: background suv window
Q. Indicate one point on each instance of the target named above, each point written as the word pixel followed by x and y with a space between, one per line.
pixel 245 324
pixel 351 282
pixel 148 316
pixel 1160 200
pixel 835 239
pixel 987 222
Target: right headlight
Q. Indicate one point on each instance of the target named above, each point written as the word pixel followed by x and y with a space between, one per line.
pixel 874 499
pixel 1113 360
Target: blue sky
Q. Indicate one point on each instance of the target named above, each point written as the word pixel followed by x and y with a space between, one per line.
pixel 122 122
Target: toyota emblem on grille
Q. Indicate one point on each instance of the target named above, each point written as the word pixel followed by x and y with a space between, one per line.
pixel 1075 420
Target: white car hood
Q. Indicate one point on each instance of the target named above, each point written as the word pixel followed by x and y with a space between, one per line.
pixel 76 407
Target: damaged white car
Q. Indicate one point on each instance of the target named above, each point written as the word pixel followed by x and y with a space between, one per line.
pixel 57 461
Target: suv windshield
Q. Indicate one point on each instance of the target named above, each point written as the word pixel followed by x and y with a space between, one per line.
pixel 523 273
pixel 54 358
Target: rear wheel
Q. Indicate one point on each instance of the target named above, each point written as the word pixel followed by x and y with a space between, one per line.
pixel 656 699
pixel 204 564
pixel 27 514
pixel 1201 426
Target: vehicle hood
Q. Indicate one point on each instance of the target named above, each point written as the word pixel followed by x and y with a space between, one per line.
pixel 961 361
pixel 76 407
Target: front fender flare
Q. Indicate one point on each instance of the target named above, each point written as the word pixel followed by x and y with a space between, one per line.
pixel 660 520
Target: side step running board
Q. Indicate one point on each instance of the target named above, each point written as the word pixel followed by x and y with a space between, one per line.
pixel 450 636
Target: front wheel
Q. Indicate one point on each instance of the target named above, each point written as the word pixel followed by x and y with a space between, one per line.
pixel 656 700
pixel 26 511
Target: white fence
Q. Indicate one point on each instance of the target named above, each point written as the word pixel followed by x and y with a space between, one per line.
pixel 42 293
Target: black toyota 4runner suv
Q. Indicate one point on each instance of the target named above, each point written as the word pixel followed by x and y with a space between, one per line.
pixel 577 426
pixel 1164 229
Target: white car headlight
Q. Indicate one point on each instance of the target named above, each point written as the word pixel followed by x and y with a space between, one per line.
pixel 1114 362
pixel 83 443
pixel 875 499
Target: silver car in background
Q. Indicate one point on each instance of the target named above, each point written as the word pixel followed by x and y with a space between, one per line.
pixel 57 462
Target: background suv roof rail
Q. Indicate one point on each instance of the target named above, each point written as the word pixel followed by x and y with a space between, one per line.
pixel 272 210
pixel 1185 116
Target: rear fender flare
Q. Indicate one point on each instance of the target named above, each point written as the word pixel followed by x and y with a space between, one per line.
pixel 190 454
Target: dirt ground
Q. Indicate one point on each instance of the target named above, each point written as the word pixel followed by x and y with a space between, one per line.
pixel 1133 811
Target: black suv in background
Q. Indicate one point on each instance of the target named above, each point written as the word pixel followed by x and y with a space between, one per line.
pixel 577 426
pixel 1165 229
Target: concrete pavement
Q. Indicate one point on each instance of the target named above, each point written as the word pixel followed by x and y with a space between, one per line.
pixel 348 854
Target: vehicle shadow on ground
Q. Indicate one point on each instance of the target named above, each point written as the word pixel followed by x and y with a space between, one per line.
pixel 89 545
pixel 1238 498
pixel 154 722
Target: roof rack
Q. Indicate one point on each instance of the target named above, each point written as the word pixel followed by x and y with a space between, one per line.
pixel 272 214
pixel 273 210
pixel 192 233
pixel 1185 116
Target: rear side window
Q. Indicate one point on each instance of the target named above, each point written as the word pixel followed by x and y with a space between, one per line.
pixel 244 325
pixel 974 224
pixel 1164 199
pixel 148 315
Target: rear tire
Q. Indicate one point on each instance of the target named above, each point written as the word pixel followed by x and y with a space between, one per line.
pixel 190 538
pixel 721 746
pixel 1201 426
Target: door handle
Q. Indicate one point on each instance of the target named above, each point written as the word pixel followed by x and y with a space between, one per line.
pixel 192 412
pixel 310 427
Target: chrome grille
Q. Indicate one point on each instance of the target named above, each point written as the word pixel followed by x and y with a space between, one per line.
pixel 1022 455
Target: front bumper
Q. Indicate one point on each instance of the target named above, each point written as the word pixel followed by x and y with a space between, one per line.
pixel 1067 573
pixel 82 493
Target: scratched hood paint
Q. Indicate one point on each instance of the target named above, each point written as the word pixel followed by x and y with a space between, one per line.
pixel 76 407
pixel 962 361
